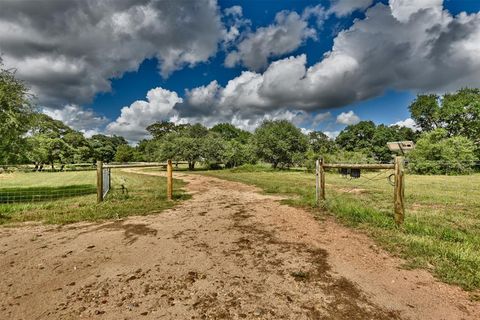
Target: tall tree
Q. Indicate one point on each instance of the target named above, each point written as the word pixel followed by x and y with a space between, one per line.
pixel 52 141
pixel 357 137
pixel 15 115
pixel 460 114
pixel 320 143
pixel 280 143
pixel 229 132
pixel 105 147
pixel 372 140
pixel 159 129
pixel 425 110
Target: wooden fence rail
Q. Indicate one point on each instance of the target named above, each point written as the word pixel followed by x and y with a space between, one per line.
pixel 399 186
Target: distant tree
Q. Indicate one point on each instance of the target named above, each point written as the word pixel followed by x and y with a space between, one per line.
pixel 15 116
pixel 125 153
pixel 229 132
pixel 49 149
pixel 425 110
pixel 383 134
pixel 149 149
pixel 51 141
pixel 372 140
pixel 182 148
pixel 280 143
pixel 104 147
pixel 195 131
pixel 437 153
pixel 213 150
pixel 237 154
pixel 356 137
pixel 320 143
pixel 159 129
pixel 460 114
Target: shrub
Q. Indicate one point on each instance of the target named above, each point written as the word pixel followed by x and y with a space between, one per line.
pixel 436 153
pixel 340 156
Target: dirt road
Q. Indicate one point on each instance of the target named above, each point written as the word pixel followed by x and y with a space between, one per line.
pixel 227 253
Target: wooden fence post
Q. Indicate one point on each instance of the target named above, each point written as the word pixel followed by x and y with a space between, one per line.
pixel 317 182
pixel 399 191
pixel 169 180
pixel 322 180
pixel 99 181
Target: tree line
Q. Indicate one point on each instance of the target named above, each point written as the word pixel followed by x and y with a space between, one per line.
pixel 447 140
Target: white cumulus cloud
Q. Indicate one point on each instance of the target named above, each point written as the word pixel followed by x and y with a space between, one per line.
pixel 67 51
pixel 343 8
pixel 289 31
pixel 435 52
pixel 84 120
pixel 348 118
pixel 408 123
pixel 134 119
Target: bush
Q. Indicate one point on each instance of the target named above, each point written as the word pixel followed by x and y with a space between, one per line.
pixel 436 153
pixel 340 156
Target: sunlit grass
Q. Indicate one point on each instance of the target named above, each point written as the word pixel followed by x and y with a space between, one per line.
pixel 140 195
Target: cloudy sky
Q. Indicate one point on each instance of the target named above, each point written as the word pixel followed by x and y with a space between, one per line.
pixel 116 66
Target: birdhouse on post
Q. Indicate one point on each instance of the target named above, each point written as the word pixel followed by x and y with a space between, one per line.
pixel 401 147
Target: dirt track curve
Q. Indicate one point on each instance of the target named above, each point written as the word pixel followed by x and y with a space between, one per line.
pixel 227 253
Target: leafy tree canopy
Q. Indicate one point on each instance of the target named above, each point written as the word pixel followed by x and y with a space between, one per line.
pixel 458 113
pixel 368 138
pixel 280 143
pixel 15 116
pixel 320 143
pixel 437 153
pixel 126 153
pixel 425 110
pixel 229 132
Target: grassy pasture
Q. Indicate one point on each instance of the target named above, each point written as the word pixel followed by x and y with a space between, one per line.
pixel 63 200
pixel 442 225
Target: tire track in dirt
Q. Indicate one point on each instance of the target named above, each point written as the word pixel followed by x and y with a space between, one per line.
pixel 227 253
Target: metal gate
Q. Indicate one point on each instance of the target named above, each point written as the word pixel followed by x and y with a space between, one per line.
pixel 106 181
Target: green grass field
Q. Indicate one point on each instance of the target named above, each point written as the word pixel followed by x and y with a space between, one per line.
pixel 442 225
pixel 65 197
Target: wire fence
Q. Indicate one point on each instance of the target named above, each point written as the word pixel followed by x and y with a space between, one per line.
pixel 9 168
pixel 448 193
pixel 33 194
pixel 134 179
pixel 22 184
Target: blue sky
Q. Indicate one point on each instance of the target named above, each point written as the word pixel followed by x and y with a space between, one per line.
pixel 377 66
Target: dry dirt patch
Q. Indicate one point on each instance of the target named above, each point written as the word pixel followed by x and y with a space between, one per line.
pixel 227 253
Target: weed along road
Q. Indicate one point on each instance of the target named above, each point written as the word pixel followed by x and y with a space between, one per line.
pixel 229 252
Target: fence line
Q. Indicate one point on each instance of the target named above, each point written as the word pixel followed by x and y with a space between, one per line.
pixel 399 182
pixel 103 187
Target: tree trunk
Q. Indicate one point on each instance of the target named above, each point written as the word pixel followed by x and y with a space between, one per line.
pixel 191 165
